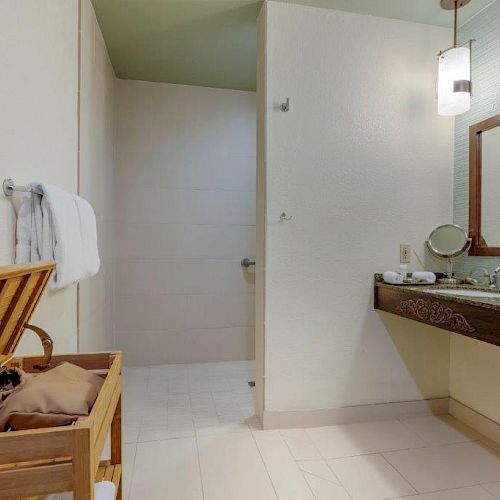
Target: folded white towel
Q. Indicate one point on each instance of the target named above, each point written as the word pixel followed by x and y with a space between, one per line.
pixel 60 227
pixel 423 277
pixel 392 278
pixel 105 490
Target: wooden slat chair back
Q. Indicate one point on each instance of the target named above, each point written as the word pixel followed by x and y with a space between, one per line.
pixel 21 287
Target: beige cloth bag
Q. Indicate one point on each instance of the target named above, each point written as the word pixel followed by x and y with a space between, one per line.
pixel 56 397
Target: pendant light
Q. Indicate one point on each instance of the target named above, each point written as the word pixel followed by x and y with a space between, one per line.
pixel 454 78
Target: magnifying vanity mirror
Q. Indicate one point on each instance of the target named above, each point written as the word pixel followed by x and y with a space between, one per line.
pixel 484 182
pixel 448 242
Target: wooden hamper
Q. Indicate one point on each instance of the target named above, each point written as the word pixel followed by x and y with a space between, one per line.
pixel 67 458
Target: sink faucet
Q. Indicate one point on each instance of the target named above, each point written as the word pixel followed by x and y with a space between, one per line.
pixel 495 278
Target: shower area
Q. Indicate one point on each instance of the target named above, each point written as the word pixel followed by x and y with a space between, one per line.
pixel 185 171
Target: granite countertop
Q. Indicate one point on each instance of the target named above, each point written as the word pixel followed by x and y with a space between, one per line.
pixel 428 291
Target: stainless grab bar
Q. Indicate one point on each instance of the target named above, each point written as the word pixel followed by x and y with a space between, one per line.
pixel 247 263
pixel 9 187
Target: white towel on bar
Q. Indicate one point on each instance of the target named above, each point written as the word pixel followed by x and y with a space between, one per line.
pixel 60 227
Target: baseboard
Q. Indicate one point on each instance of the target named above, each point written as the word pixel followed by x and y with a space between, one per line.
pixel 478 422
pixel 352 414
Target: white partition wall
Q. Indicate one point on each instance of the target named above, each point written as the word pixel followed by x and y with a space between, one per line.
pixel 362 163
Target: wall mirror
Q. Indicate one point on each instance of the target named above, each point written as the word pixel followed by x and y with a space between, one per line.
pixel 484 187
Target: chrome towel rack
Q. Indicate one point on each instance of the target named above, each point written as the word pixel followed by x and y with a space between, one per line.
pixel 9 186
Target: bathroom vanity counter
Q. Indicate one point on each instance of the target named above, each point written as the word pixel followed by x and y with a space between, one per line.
pixel 473 316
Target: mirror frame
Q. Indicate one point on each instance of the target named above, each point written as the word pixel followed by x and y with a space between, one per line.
pixel 479 246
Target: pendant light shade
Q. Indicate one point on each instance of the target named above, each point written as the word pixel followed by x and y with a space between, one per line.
pixel 454 78
pixel 454 96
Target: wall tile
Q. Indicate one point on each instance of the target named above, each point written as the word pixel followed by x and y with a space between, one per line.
pixel 185 218
pixel 187 206
pixel 163 241
pixel 151 313
pixel 186 346
pixel 182 170
pixel 182 276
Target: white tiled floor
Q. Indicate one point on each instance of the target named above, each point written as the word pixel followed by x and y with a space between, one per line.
pixel 190 435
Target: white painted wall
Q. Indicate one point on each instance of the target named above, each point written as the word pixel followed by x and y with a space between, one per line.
pixel 185 218
pixel 39 129
pixel 362 162
pixel 97 140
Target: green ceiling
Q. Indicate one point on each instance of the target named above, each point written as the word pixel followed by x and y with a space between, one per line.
pixel 212 43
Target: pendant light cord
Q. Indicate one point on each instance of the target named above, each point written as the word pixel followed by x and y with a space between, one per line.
pixel 455 25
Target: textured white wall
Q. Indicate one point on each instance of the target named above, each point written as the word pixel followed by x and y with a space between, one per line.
pixel 362 163
pixel 97 127
pixel 39 129
pixel 186 217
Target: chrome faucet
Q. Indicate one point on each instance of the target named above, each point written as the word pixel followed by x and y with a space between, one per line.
pixel 495 279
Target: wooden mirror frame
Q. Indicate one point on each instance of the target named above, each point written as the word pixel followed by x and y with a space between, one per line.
pixel 479 246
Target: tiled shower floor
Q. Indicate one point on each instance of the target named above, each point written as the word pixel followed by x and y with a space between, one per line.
pixel 190 435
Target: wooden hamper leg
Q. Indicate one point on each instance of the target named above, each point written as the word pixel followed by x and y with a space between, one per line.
pixel 116 443
pixel 83 465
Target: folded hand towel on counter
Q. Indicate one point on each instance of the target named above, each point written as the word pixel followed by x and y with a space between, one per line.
pixel 423 277
pixel 61 227
pixel 393 278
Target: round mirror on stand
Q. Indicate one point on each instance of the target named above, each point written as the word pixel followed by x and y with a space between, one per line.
pixel 449 242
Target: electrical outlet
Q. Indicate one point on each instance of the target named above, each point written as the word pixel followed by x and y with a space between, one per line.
pixel 404 254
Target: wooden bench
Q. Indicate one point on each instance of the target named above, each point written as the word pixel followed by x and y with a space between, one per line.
pixel 67 458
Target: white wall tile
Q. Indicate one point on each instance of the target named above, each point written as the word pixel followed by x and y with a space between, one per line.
pixel 220 310
pixel 151 313
pixel 172 311
pixel 182 276
pixel 184 170
pixel 183 241
pixel 185 203
pixel 185 346
pixel 152 205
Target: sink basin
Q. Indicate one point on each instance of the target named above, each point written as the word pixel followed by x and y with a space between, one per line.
pixel 458 292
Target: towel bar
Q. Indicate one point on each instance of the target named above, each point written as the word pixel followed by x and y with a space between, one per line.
pixel 9 187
